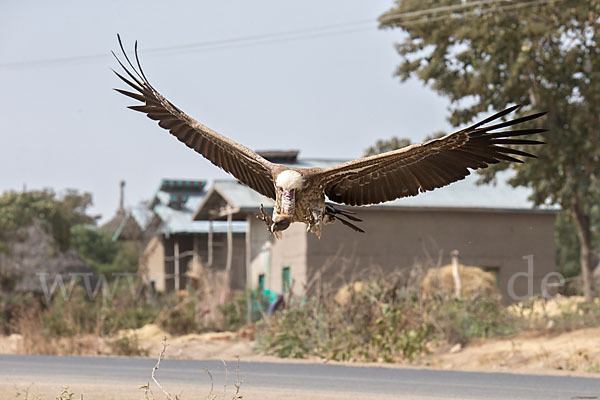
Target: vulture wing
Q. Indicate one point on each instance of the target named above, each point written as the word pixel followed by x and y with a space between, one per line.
pixel 241 162
pixel 426 166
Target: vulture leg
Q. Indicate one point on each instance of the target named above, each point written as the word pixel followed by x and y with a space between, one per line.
pixel 315 222
pixel 263 216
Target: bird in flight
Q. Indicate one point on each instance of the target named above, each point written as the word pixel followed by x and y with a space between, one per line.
pixel 300 193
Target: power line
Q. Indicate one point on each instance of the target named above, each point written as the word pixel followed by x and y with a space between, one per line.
pixel 478 13
pixel 269 40
pixel 242 41
pixel 294 35
pixel 261 36
pixel 475 12
pixel 393 17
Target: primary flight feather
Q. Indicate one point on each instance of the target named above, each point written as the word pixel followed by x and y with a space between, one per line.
pixel 299 193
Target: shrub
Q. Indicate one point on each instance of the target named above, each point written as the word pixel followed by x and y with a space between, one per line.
pixel 378 320
pixel 292 334
pixel 234 312
pixel 369 324
pixel 181 317
pixel 460 320
pixel 127 346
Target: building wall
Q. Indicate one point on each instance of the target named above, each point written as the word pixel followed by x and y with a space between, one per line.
pixel 260 242
pixel 154 256
pixel 269 256
pixel 399 238
pixel 161 271
pixel 186 244
pixel 290 252
pixel 238 259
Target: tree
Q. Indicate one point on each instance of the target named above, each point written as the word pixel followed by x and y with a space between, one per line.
pixel 382 146
pixel 544 55
pixel 395 143
pixel 567 244
pixel 103 254
pixel 57 213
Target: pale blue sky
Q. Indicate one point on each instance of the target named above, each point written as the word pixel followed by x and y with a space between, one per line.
pixel 329 95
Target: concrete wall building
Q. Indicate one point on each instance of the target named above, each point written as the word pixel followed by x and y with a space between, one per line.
pixel 493 227
pixel 175 242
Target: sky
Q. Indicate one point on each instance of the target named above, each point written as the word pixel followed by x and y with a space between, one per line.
pixel 326 89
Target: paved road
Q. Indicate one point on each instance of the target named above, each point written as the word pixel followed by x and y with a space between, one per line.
pixel 299 378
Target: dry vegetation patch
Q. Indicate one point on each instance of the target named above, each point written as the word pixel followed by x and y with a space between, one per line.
pixel 403 318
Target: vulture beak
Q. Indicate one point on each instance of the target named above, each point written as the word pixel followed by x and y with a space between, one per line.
pixel 281 223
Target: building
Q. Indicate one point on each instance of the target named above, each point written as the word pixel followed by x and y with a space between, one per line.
pixel 33 265
pixel 494 227
pixel 178 249
pixel 125 225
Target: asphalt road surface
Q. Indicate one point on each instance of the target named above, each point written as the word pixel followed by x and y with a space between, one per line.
pixel 117 378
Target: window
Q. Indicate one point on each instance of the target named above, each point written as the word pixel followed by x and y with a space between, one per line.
pixel 495 271
pixel 261 283
pixel 285 280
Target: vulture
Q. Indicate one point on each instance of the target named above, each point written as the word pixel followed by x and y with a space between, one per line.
pixel 300 193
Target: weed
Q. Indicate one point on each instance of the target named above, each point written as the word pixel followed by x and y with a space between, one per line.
pixel 127 346
pixel 66 394
pixel 379 320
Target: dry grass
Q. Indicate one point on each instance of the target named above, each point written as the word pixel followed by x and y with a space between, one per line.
pixel 105 325
pixel 475 282
pixel 228 393
pixel 149 395
pixel 577 351
pixel 381 317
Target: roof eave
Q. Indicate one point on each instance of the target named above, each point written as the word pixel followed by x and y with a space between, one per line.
pixel 465 209
pixel 203 213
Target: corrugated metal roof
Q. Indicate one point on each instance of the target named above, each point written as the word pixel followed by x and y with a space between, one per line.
pixel 315 162
pixel 240 196
pixel 142 215
pixel 179 220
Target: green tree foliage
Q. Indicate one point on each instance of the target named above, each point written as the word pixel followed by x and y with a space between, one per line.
pixel 101 253
pixel 383 146
pixel 395 143
pixel 485 56
pixel 57 214
pixel 567 243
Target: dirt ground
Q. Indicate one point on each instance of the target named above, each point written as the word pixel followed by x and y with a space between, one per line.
pixel 47 390
pixel 572 353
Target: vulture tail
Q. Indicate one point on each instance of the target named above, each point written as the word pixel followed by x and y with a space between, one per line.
pixel 337 213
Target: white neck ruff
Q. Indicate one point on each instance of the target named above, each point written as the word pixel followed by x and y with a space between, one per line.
pixel 290 180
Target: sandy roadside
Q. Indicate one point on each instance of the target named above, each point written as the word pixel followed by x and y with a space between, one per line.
pixel 103 391
pixel 575 353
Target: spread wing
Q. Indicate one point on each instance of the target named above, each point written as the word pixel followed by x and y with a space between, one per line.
pixel 244 164
pixel 426 166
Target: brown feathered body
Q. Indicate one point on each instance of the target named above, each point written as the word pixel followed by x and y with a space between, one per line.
pixel 300 194
pixel 297 199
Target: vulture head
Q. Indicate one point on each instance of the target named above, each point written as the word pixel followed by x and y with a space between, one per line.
pixel 281 223
pixel 288 183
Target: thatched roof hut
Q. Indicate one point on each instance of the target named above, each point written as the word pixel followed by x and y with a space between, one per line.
pixel 123 226
pixel 35 258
